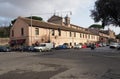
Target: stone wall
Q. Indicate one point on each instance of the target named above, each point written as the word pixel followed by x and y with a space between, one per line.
pixel 4 41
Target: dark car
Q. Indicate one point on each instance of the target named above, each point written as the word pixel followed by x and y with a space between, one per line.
pixel 67 45
pixel 61 47
pixel 27 48
pixel 4 49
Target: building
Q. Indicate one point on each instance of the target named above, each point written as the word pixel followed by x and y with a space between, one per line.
pixel 109 36
pixel 57 30
pixel 105 36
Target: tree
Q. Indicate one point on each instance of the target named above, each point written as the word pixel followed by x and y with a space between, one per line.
pixel 107 11
pixel 96 26
pixel 118 36
pixel 33 17
pixel 4 31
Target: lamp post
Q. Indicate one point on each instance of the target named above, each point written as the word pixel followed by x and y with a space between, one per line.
pixel 49 36
pixel 31 29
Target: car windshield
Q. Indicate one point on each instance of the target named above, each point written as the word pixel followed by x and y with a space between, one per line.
pixel 78 44
pixel 42 45
pixel 3 47
pixel 114 44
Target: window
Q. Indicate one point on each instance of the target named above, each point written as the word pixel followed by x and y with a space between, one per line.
pixel 59 32
pixel 12 33
pixel 74 34
pixel 70 34
pixel 53 32
pixel 83 35
pixel 22 31
pixel 80 35
pixel 36 31
pixel 70 44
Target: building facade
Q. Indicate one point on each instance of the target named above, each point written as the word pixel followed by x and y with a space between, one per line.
pixel 105 36
pixel 57 30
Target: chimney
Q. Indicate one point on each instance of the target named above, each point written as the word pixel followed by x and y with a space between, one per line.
pixel 67 20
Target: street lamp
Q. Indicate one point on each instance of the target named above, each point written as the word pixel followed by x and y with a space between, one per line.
pixel 31 29
pixel 49 36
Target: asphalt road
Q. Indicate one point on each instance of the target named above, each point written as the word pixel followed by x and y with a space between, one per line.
pixel 101 63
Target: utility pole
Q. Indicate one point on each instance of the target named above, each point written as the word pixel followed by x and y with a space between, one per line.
pixel 31 29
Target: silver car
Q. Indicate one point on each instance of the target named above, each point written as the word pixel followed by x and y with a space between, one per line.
pixel 114 45
pixel 78 46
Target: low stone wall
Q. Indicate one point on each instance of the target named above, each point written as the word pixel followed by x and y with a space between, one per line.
pixel 4 41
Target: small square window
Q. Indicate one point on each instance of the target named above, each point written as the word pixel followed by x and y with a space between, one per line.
pixel 36 31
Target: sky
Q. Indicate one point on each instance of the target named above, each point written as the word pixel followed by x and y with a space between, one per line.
pixel 80 9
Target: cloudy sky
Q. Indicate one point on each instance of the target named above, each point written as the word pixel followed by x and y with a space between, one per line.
pixel 10 9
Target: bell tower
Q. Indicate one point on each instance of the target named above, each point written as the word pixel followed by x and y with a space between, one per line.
pixel 67 20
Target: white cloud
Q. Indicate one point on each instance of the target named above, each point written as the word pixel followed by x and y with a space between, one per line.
pixel 14 8
pixel 9 8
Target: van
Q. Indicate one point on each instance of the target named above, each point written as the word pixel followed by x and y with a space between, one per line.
pixel 44 47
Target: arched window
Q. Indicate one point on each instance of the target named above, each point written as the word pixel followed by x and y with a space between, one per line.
pixel 59 31
pixel 22 31
pixel 70 34
pixel 74 34
pixel 12 33
pixel 53 32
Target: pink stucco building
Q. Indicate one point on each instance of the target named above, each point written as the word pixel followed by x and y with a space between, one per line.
pixel 57 30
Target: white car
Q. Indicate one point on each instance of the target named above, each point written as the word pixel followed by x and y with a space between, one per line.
pixel 78 46
pixel 102 44
pixel 114 45
pixel 44 47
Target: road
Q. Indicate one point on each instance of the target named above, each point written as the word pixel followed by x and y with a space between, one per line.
pixel 101 63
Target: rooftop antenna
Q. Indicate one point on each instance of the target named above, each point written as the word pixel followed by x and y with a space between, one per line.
pixel 70 12
pixel 54 12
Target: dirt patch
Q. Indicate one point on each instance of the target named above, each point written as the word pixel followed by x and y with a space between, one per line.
pixel 28 74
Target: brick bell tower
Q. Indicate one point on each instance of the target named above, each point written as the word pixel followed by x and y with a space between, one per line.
pixel 67 20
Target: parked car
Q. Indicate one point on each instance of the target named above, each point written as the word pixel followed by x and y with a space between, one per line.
pixel 4 49
pixel 88 45
pixel 44 47
pixel 78 46
pixel 61 47
pixel 102 44
pixel 118 47
pixel 84 46
pixel 67 45
pixel 93 46
pixel 97 45
pixel 114 45
pixel 27 48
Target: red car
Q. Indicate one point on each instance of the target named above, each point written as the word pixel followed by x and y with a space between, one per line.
pixel 84 46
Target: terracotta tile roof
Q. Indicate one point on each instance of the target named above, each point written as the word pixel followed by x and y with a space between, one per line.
pixel 54 18
pixel 42 24
pixel 76 26
pixel 104 31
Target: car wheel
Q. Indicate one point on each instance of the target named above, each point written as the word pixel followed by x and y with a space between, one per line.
pixel 40 50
